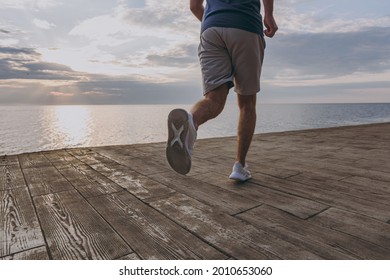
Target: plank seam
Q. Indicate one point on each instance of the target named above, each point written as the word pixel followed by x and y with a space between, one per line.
pixel 36 212
pixel 246 210
pixel 315 214
pixel 94 209
pixel 26 250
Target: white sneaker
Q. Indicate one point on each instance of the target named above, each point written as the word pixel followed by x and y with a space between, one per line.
pixel 181 139
pixel 240 173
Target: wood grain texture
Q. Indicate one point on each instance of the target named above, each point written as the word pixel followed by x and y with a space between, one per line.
pixel 324 241
pixel 355 186
pixel 39 253
pixel 33 160
pixel 149 233
pixel 19 226
pixel 140 185
pixel 9 160
pixel 210 194
pixel 11 177
pixel 232 236
pixel 74 230
pixel 45 180
pixel 130 257
pixel 315 194
pixel 326 196
pixel 89 182
pixel 296 205
pixel 374 231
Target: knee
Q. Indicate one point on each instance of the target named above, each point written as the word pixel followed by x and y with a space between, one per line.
pixel 217 98
pixel 219 104
pixel 247 103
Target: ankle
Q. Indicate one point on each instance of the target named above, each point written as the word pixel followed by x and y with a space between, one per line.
pixel 193 121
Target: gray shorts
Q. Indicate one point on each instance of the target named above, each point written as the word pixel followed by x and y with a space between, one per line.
pixel 233 57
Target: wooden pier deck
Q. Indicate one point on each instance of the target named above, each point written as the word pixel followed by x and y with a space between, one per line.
pixel 315 194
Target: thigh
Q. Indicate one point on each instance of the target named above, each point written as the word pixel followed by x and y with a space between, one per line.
pixel 247 52
pixel 215 60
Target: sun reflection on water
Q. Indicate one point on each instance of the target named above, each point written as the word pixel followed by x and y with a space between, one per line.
pixel 69 125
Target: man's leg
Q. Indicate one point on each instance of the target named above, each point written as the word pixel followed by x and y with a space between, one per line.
pixel 211 106
pixel 182 128
pixel 246 125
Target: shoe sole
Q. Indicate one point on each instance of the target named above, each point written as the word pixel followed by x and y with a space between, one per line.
pixel 176 152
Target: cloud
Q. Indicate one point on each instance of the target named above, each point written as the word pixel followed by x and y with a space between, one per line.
pixel 319 17
pixel 43 24
pixel 102 26
pixel 92 92
pixel 145 51
pixel 328 55
pixel 5 31
pixel 162 14
pixel 25 63
pixel 26 79
pixel 179 56
pixel 29 4
pixel 158 20
pixel 153 40
pixel 61 94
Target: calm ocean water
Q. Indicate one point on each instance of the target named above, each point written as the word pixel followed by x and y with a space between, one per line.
pixel 37 128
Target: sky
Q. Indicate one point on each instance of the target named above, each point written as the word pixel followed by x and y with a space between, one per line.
pixel 145 52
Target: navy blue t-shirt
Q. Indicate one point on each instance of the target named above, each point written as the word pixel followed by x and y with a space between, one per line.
pixel 241 14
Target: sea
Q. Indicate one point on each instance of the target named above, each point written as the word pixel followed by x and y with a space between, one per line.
pixel 38 128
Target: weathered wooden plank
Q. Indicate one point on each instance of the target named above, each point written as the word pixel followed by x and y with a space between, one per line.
pixel 149 165
pixel 326 196
pixel 221 165
pixel 296 205
pixel 145 165
pixel 210 149
pixel 380 187
pixel 296 176
pixel 363 227
pixel 120 151
pixel 84 178
pixel 309 166
pixel 364 188
pixel 11 177
pixel 141 186
pixel 129 257
pixel 343 161
pixel 335 165
pixel 58 158
pixel 74 230
pixel 19 226
pixel 232 236
pixel 326 242
pixel 9 160
pixel 90 157
pixel 231 202
pixel 45 180
pixel 39 253
pixel 88 182
pixel 33 160
pixel 149 233
pixel 376 162
pixel 282 173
